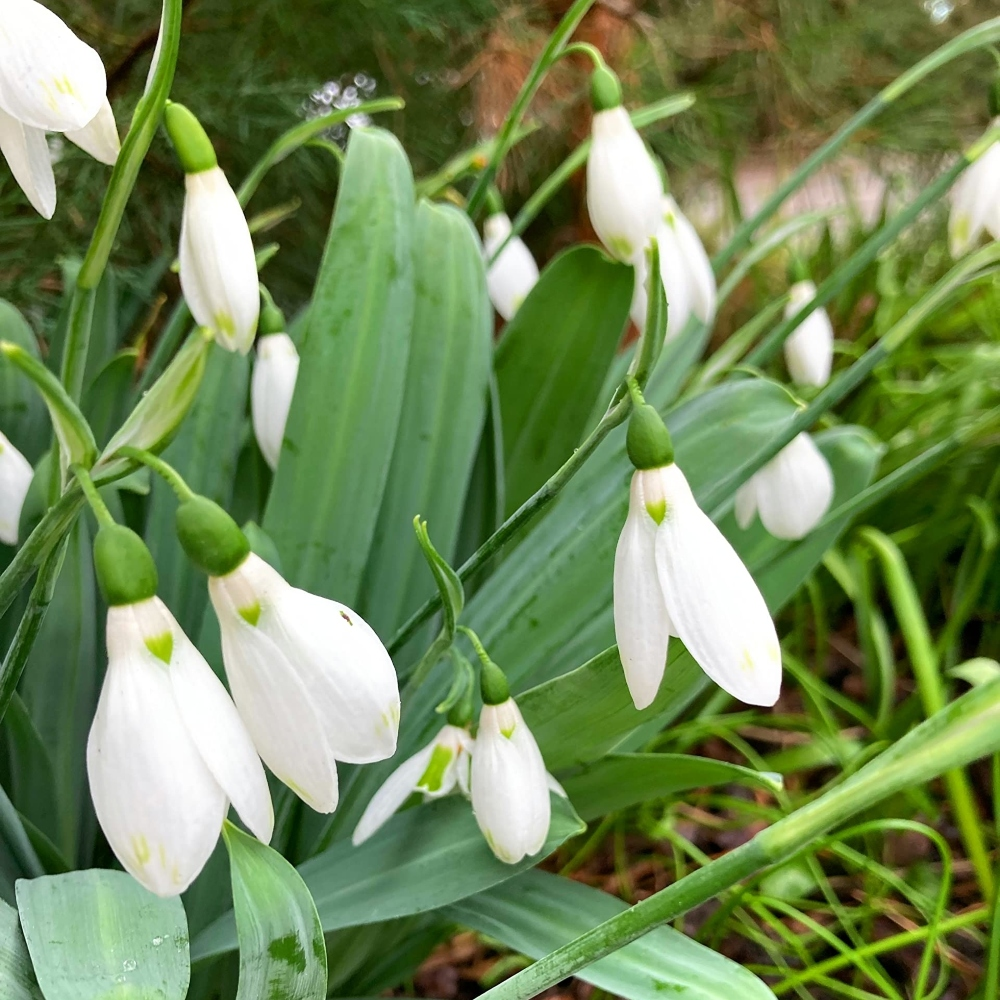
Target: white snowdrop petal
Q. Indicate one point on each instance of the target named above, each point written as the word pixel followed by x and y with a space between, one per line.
pixel 510 796
pixel 99 137
pixel 271 390
pixel 676 284
pixel 220 736
pixel 514 273
pixel 49 78
pixel 794 489
pixel 218 269
pixel 158 804
pixel 398 787
pixel 26 151
pixel 345 668
pixel 279 712
pixel 642 625
pixel 809 349
pixel 15 479
pixel 746 504
pixel 623 186
pixel 701 277
pixel 975 203
pixel 714 604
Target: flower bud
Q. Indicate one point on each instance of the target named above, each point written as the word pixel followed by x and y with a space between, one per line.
pixel 514 272
pixel 271 391
pixel 809 348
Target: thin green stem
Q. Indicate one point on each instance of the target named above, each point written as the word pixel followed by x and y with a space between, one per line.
pixel 97 505
pixel 163 469
pixel 477 644
pixel 923 660
pixel 981 35
pixel 641 118
pixel 556 43
pixel 592 52
pixel 134 148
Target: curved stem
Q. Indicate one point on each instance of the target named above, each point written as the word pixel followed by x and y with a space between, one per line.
pixel 556 43
pixel 981 35
pixel 163 469
pixel 97 505
pixel 592 52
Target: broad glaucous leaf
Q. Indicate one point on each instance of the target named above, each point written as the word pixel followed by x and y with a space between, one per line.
pixel 17 980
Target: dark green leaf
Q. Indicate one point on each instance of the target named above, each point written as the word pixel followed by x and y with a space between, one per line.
pixel 22 413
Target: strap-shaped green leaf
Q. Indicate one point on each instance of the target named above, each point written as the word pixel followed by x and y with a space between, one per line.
pixel 22 413
pixel 552 360
pixel 342 425
pixel 17 980
pixel 422 859
pixel 76 440
pixel 93 935
pixel 538 912
pixel 282 951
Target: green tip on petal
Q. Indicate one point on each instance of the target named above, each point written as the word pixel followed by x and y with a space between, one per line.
pixel 124 566
pixel 493 684
pixel 648 441
pixel 190 140
pixel 210 537
pixel 605 89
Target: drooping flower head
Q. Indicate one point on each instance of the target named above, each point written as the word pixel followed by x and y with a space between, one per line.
pixel 167 751
pixel 312 680
pixel 676 574
pixel 514 273
pixel 975 198
pixel 273 385
pixel 809 348
pixel 218 266
pixel 792 493
pixel 15 478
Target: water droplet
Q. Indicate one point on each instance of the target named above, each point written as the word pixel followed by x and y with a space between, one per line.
pixel 157 941
pixel 129 965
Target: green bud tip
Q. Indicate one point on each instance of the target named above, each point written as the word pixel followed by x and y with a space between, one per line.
pixel 494 203
pixel 797 270
pixel 648 440
pixel 994 98
pixel 124 566
pixel 210 537
pixel 194 148
pixel 493 684
pixel 605 89
pixel 460 714
pixel 272 319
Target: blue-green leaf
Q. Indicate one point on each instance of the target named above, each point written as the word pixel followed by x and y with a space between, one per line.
pixel 17 980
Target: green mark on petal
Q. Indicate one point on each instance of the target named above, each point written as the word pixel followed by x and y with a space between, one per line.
pixel 251 613
pixel 621 248
pixel 508 733
pixel 433 778
pixel 161 646
pixel 657 510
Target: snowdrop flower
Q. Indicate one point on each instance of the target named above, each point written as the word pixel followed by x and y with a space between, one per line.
pixel 676 574
pixel 809 349
pixel 975 202
pixel 685 271
pixel 514 273
pixel 434 771
pixel 15 478
pixel 50 81
pixel 792 493
pixel 273 384
pixel 624 188
pixel 218 268
pixel 167 750
pixel 510 786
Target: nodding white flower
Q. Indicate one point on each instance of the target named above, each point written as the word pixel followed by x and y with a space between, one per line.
pixel 675 574
pixel 217 261
pixel 685 271
pixel 433 772
pixel 310 677
pixel 271 392
pixel 50 81
pixel 514 273
pixel 510 786
pixel 791 493
pixel 975 202
pixel 624 188
pixel 168 752
pixel 809 349
pixel 15 478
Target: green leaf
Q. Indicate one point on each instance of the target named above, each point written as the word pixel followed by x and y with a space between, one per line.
pixel 552 360
pixel 158 415
pixel 282 950
pixel 204 453
pixel 105 401
pixel 17 980
pixel 448 582
pixel 423 858
pixel 22 412
pixel 99 935
pixel 342 425
pixel 444 406
pixel 538 912
pixel 76 441
pixel 621 780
